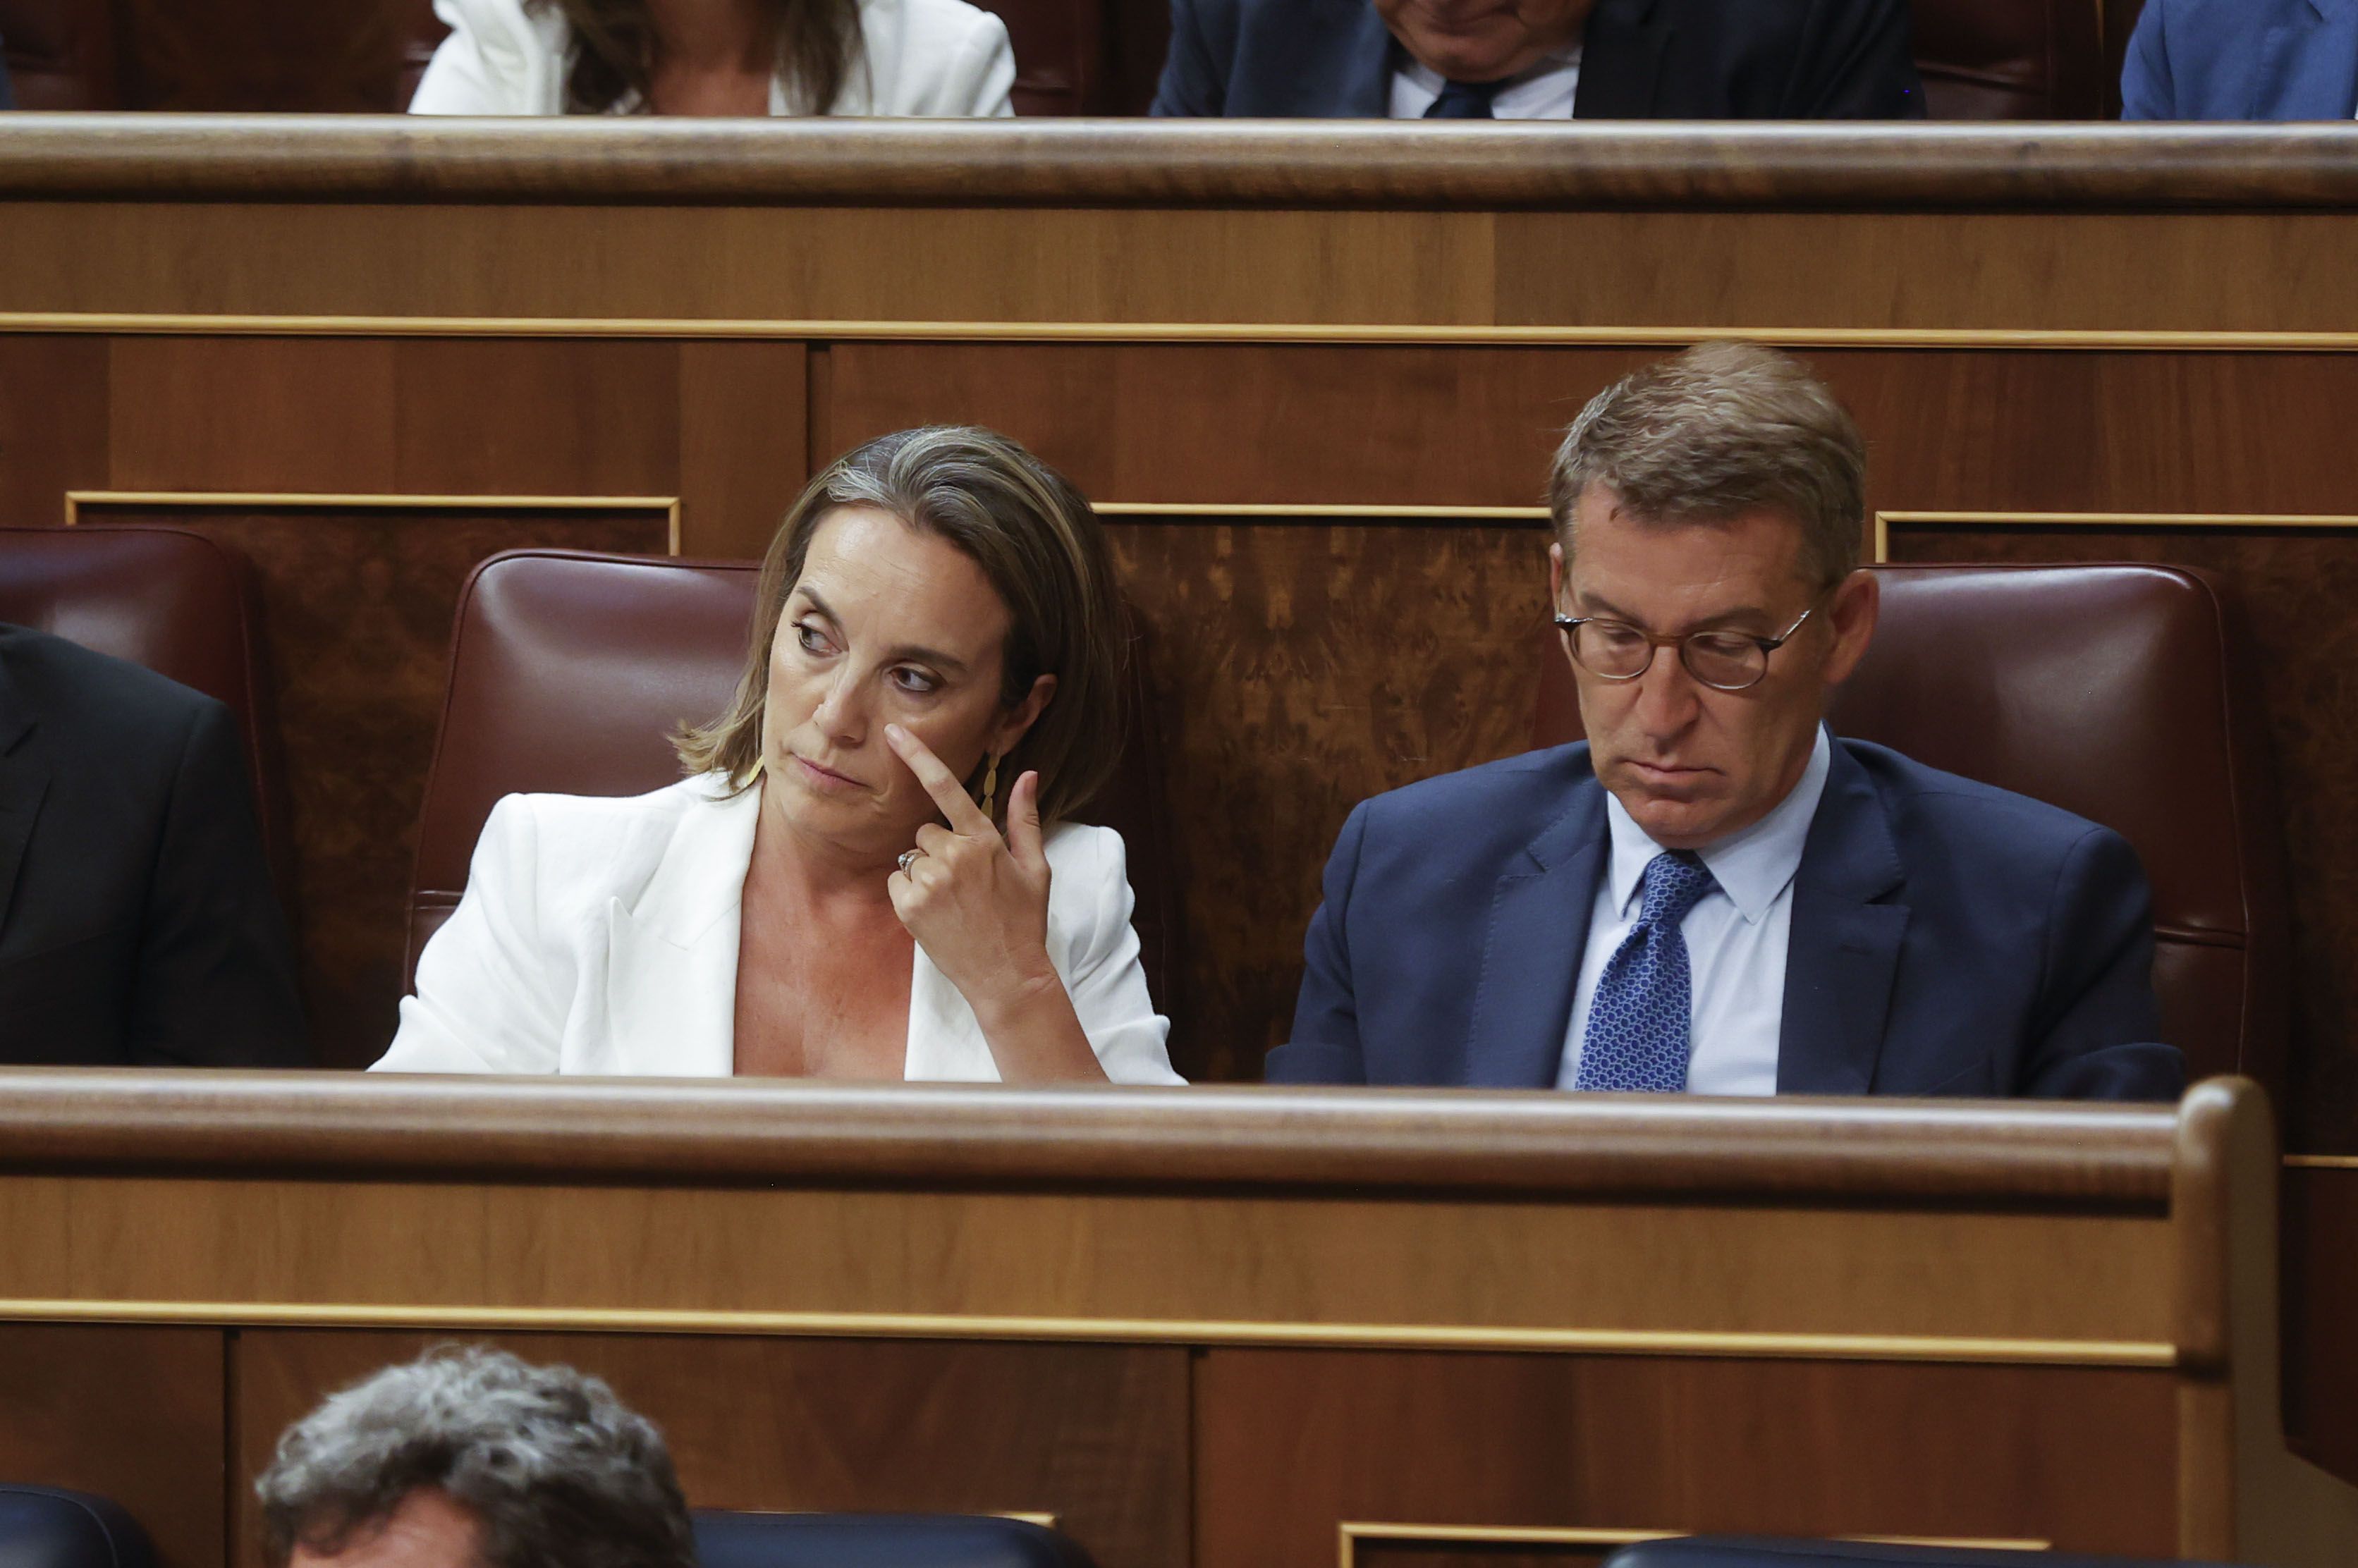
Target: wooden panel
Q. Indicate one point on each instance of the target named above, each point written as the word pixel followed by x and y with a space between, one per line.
pixel 53 433
pixel 2298 584
pixel 2320 1225
pixel 357 607
pixel 1096 1436
pixel 743 454
pixel 1290 1443
pixel 134 1414
pixel 262 56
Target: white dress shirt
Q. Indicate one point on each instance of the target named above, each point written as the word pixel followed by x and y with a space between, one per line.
pixel 600 936
pixel 1737 936
pixel 1543 92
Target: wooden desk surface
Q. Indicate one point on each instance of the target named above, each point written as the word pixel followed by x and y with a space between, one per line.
pixel 1435 1275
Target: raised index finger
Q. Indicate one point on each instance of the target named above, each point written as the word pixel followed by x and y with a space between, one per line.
pixel 965 816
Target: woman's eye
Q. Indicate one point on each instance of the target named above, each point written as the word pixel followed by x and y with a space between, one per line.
pixel 916 683
pixel 812 638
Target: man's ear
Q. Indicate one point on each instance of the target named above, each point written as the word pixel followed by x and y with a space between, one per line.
pixel 1851 610
pixel 1018 719
pixel 1555 577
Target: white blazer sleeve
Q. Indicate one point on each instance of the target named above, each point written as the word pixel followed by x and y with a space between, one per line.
pixel 491 992
pixel 983 75
pixel 490 64
pixel 1103 976
pixel 932 59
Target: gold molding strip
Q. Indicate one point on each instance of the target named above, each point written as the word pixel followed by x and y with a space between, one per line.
pixel 170 323
pixel 1322 509
pixel 2322 1162
pixel 260 499
pixel 950 1326
pixel 1350 1532
pixel 1884 520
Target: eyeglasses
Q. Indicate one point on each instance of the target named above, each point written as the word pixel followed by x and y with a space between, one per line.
pixel 1725 661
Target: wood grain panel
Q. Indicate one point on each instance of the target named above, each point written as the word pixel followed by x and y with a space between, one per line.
pixel 2298 585
pixel 275 414
pixel 1290 1443
pixel 491 416
pixel 53 426
pixel 356 611
pixel 1500 1271
pixel 1096 1436
pixel 134 1414
pixel 2321 1233
pixel 743 450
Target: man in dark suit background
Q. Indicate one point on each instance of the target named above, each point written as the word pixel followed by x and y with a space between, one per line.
pixel 7 99
pixel 2243 60
pixel 1651 60
pixel 1711 893
pixel 139 925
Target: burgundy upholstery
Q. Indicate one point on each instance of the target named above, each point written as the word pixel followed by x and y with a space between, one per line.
pixel 60 53
pixel 182 604
pixel 2116 692
pixel 2013 60
pixel 570 669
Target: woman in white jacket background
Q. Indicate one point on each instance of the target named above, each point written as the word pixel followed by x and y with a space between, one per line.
pixel 933 57
pixel 867 873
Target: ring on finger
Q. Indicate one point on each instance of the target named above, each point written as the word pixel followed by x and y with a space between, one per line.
pixel 910 858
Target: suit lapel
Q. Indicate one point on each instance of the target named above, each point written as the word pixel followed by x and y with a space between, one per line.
pixel 1365 91
pixel 1845 947
pixel 671 955
pixel 1621 61
pixel 1531 952
pixel 23 783
pixel 2306 67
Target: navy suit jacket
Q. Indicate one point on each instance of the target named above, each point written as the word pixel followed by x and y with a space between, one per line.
pixel 2243 60
pixel 1641 59
pixel 7 99
pixel 1948 938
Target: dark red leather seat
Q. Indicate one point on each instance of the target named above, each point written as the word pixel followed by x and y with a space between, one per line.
pixel 2013 60
pixel 569 670
pixel 182 604
pixel 2116 692
pixel 61 54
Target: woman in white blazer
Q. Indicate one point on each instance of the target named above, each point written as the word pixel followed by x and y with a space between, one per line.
pixel 939 58
pixel 867 873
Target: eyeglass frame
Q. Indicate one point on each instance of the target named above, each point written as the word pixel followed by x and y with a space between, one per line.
pixel 1570 625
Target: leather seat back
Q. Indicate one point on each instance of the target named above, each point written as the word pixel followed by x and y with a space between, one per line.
pixel 179 602
pixel 725 1540
pixel 49 1527
pixel 568 672
pixel 2012 59
pixel 2116 692
pixel 61 54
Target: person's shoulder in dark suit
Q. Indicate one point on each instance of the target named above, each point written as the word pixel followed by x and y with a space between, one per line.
pixel 1798 59
pixel 7 97
pixel 138 922
pixel 2243 60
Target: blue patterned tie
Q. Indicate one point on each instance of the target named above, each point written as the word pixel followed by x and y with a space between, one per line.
pixel 1639 1020
pixel 1465 101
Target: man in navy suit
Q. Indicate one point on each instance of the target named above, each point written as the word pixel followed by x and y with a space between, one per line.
pixel 7 99
pixel 1535 59
pixel 1712 893
pixel 2243 60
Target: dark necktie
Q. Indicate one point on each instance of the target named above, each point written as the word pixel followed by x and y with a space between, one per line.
pixel 1641 1019
pixel 1464 101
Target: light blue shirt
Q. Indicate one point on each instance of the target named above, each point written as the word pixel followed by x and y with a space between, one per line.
pixel 1737 936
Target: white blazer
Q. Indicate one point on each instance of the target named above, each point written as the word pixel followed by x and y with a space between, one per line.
pixel 942 59
pixel 600 935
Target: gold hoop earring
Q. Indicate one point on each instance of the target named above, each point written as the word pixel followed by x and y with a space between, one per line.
pixel 990 784
pixel 754 778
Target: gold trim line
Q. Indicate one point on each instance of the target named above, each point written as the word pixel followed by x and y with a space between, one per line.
pixel 178 323
pixel 2322 1162
pixel 276 500
pixel 1323 509
pixel 1885 521
pixel 936 1325
pixel 1350 1532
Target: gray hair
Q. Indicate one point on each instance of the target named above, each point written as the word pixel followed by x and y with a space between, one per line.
pixel 559 1471
pixel 1716 432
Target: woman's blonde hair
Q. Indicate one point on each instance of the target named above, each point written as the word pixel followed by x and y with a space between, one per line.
pixel 1038 542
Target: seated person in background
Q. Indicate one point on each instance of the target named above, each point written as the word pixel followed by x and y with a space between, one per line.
pixel 1710 894
pixel 937 634
pixel 1541 59
pixel 7 97
pixel 139 925
pixel 471 1459
pixel 2243 60
pixel 940 57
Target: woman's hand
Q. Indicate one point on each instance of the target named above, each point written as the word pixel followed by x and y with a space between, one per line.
pixel 977 904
